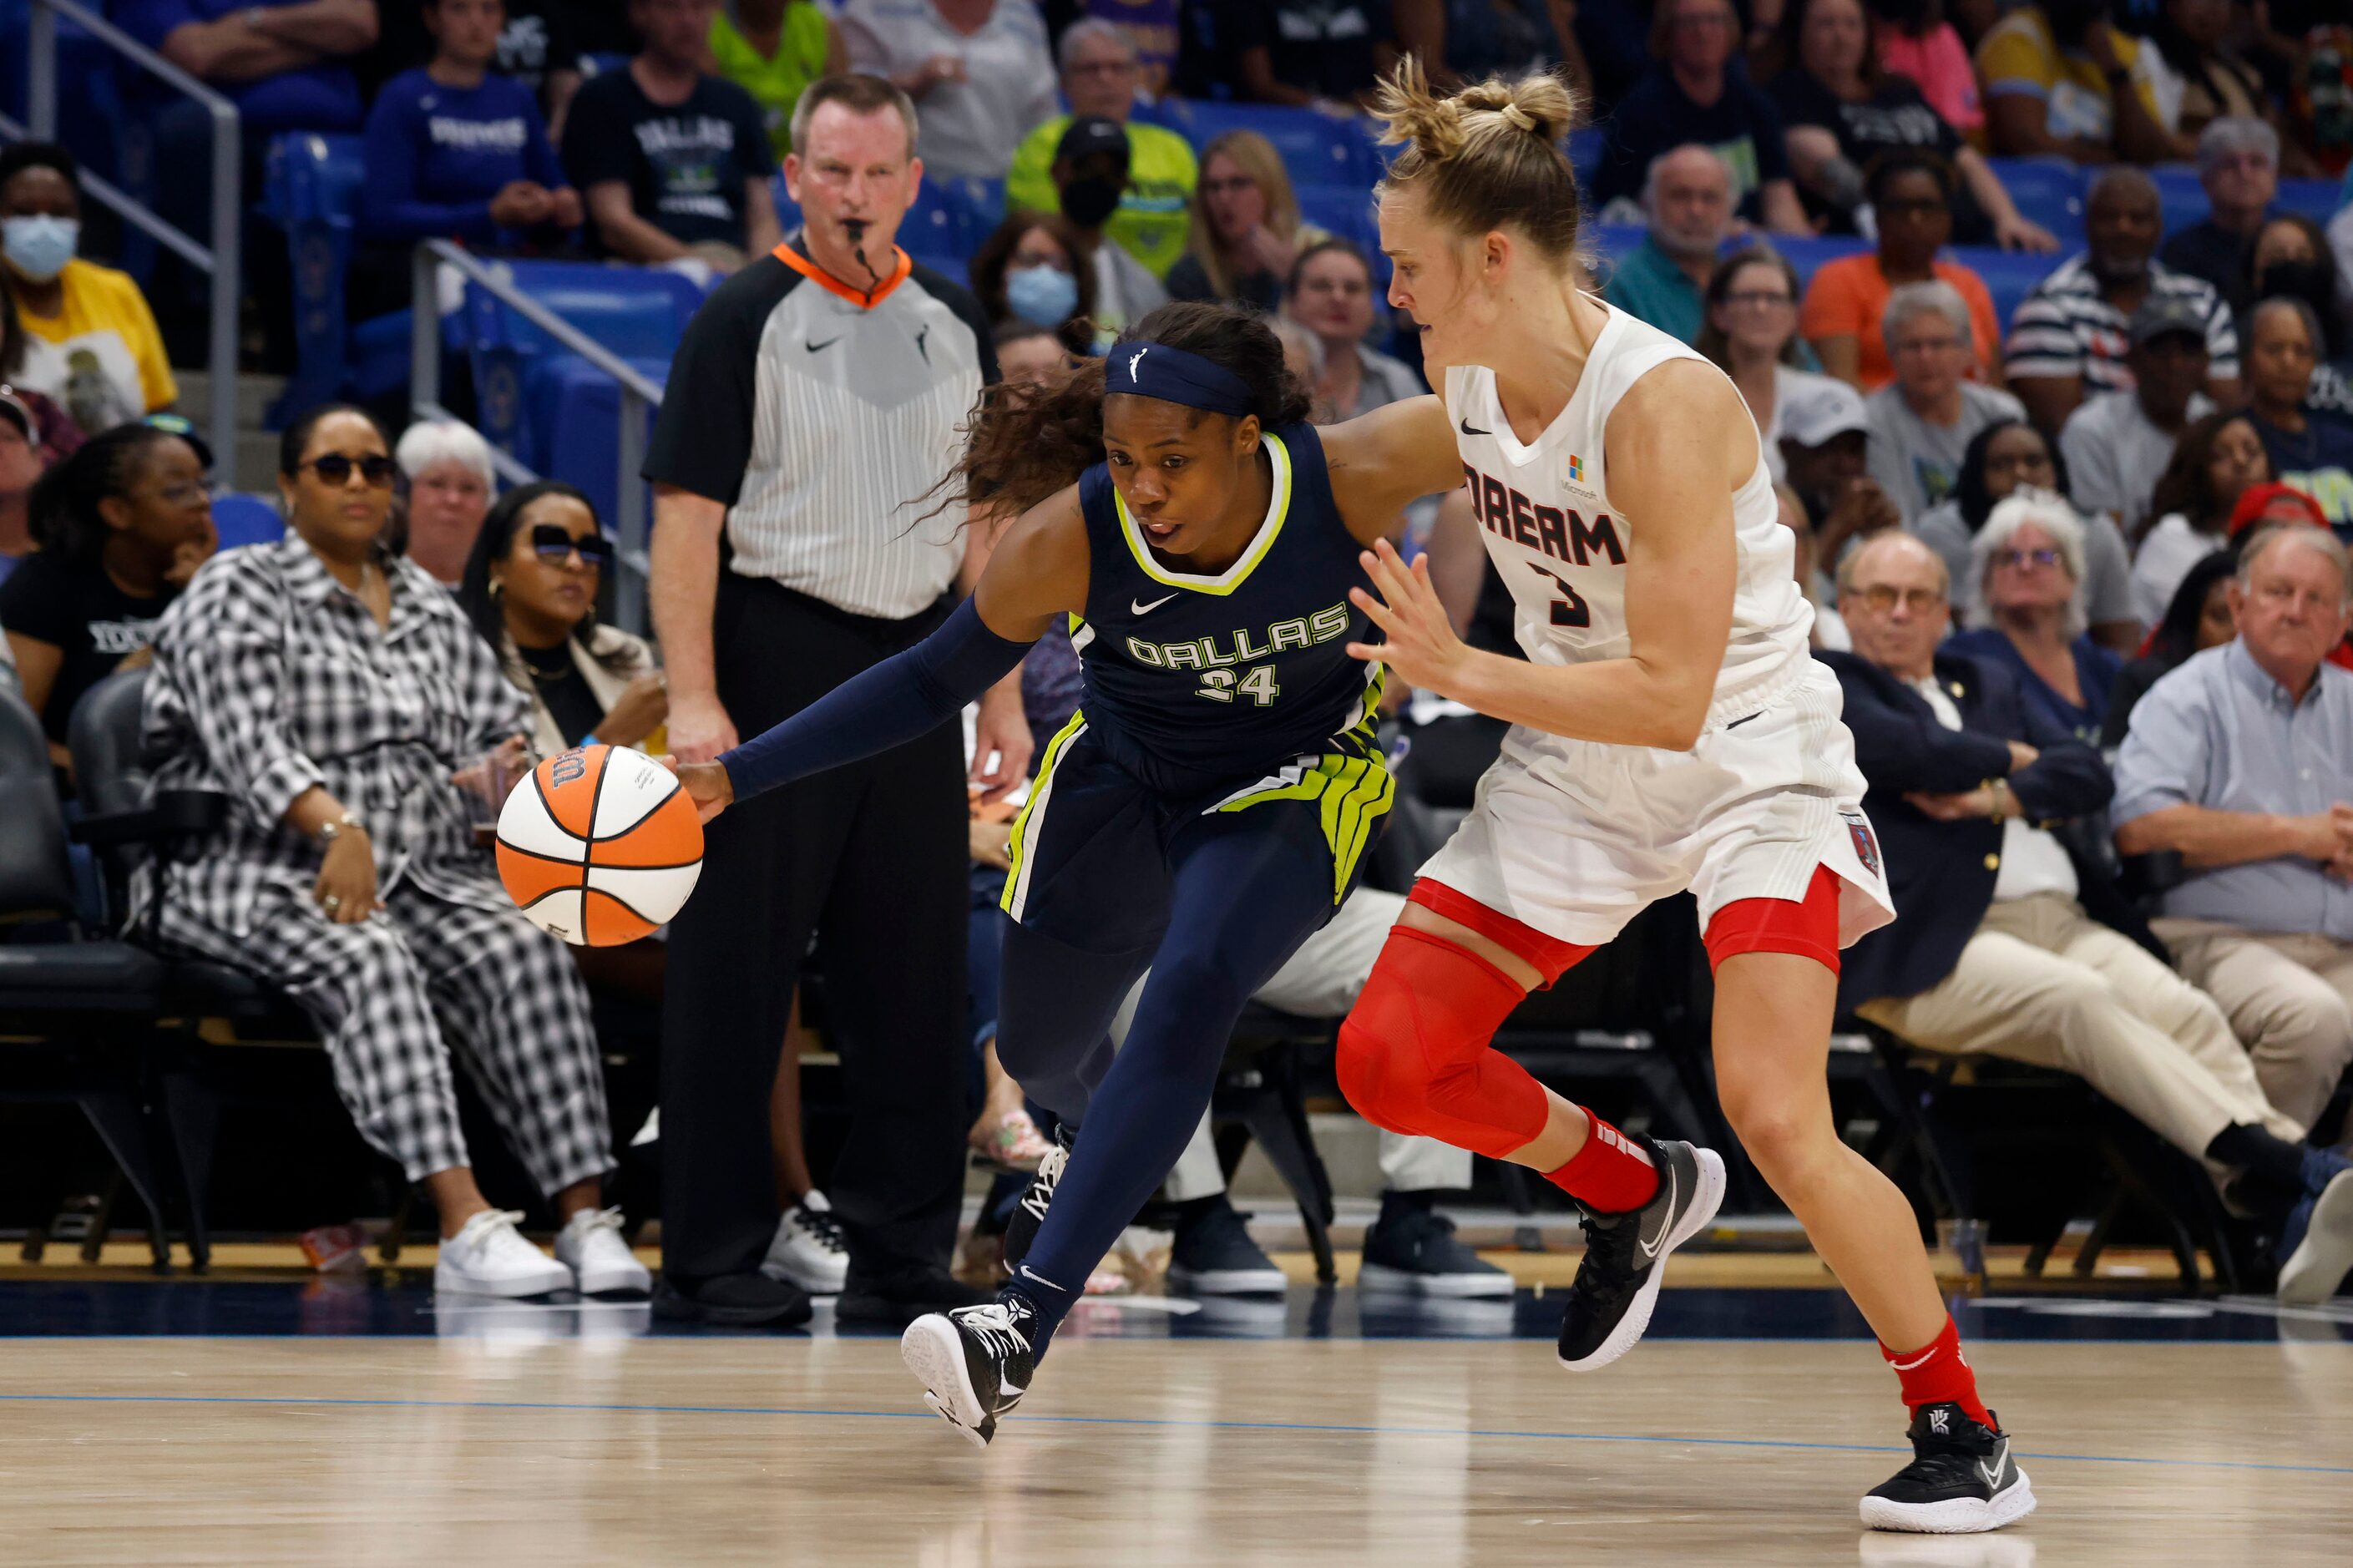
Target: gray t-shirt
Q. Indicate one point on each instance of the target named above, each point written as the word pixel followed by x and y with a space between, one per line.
pixel 2106 588
pixel 2115 455
pixel 1917 463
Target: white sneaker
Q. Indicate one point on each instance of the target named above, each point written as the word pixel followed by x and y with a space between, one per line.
pixel 808 1250
pixel 489 1257
pixel 592 1248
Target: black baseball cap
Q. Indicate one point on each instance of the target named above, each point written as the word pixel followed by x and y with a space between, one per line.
pixel 2163 316
pixel 1090 134
pixel 180 425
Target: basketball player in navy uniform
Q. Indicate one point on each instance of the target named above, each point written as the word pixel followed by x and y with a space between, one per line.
pixel 1207 807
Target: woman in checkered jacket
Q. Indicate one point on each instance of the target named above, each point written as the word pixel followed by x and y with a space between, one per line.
pixel 332 690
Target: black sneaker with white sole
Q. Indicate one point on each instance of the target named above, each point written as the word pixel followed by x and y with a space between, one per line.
pixel 1961 1480
pixel 974 1362
pixel 1625 1255
pixel 1213 1255
pixel 1414 1249
pixel 1021 1228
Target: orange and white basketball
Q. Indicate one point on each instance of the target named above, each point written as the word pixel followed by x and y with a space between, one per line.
pixel 599 846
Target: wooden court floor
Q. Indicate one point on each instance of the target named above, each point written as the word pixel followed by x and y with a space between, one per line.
pixel 597 1449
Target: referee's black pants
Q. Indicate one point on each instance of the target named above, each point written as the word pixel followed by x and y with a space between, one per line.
pixel 872 859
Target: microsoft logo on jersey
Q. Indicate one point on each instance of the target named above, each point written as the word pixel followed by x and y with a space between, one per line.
pixel 1577 469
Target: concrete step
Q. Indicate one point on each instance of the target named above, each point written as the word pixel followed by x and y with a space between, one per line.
pixel 254 394
pixel 256 469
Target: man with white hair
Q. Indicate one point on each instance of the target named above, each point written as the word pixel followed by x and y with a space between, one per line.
pixel 1150 212
pixel 1687 199
pixel 2007 941
pixel 2238 162
pixel 2242 763
pixel 1922 421
pixel 450 483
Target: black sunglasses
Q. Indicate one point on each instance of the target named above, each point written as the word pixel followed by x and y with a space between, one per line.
pixel 553 542
pixel 335 469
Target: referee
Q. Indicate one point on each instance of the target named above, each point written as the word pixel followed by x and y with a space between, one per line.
pixel 815 399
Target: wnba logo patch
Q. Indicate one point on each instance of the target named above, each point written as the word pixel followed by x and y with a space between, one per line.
pixel 1866 847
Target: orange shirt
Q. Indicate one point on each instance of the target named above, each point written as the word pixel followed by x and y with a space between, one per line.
pixel 1847 297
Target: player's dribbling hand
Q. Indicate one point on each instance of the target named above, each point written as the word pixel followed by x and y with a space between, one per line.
pixel 1421 649
pixel 706 783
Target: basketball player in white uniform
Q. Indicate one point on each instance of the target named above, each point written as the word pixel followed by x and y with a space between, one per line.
pixel 1670 731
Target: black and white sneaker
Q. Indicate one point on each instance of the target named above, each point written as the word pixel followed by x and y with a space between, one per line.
pixel 976 1363
pixel 1021 1229
pixel 1961 1479
pixel 1625 1255
pixel 1413 1249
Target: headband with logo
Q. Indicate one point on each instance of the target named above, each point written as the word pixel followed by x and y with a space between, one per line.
pixel 1173 375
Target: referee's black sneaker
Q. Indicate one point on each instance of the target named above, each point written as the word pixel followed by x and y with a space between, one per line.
pixel 1029 1213
pixel 893 1298
pixel 1626 1254
pixel 976 1363
pixel 746 1301
pixel 1961 1480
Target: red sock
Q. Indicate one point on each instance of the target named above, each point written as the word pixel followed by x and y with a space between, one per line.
pixel 1610 1174
pixel 1938 1374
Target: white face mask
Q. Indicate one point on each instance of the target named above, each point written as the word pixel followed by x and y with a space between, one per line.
pixel 40 245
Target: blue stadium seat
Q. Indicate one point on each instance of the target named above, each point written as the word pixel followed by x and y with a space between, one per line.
pixel 2315 199
pixel 2183 197
pixel 2048 191
pixel 938 230
pixel 1345 212
pixel 636 313
pixel 311 189
pixel 1317 148
pixel 2009 275
pixel 1585 144
pixel 1807 253
pixel 571 416
pixel 243 520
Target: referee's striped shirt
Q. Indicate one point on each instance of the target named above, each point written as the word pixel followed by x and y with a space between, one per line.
pixel 2065 328
pixel 821 414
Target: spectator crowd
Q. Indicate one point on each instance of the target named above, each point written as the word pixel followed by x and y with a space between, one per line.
pixel 2079 563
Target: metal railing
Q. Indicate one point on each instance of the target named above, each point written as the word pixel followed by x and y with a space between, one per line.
pixel 639 397
pixel 221 260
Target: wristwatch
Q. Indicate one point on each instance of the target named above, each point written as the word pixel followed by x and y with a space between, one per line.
pixel 330 831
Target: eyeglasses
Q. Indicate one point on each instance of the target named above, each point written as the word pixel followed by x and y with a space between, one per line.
pixel 1925 345
pixel 335 469
pixel 186 495
pixel 1759 299
pixel 1879 598
pixel 552 543
pixel 2018 560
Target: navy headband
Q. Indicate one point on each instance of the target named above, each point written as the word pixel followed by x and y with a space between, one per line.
pixel 1172 375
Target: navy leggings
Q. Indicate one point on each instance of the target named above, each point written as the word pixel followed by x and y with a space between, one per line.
pixel 1244 892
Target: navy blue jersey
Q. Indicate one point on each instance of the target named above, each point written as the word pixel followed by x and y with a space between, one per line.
pixel 1192 679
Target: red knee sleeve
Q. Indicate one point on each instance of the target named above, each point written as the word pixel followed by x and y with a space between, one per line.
pixel 1547 955
pixel 1808 927
pixel 1414 1054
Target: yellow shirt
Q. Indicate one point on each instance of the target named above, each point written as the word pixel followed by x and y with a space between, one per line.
pixel 2021 56
pixel 1155 211
pixel 100 357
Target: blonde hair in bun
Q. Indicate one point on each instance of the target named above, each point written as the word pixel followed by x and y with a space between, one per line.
pixel 1488 156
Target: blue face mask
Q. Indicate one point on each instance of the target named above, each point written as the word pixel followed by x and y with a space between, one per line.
pixel 39 246
pixel 1042 295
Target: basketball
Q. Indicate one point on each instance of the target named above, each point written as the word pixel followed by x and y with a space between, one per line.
pixel 599 846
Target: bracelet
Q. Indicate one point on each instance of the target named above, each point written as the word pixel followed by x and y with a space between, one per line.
pixel 330 831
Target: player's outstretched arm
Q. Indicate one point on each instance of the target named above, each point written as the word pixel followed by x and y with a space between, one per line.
pixel 1673 469
pixel 1384 461
pixel 1038 570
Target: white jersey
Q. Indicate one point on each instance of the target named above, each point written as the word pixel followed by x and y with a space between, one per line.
pixel 1560 545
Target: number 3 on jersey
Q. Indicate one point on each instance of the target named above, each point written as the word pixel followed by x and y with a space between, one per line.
pixel 1569 610
pixel 1258 685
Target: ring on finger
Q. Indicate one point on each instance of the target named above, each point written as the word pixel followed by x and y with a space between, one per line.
pixel 332 902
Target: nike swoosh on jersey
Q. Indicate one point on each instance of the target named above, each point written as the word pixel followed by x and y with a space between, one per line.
pixel 1464 424
pixel 1137 607
pixel 820 348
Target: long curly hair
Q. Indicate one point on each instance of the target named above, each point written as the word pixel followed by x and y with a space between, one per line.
pixel 1024 443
